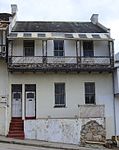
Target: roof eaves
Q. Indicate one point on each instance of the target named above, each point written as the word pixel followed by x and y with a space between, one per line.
pixel 103 27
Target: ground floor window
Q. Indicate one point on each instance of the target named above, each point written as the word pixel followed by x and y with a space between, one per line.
pixel 59 94
pixel 89 93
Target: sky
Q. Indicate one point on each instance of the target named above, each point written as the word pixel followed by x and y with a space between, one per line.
pixel 68 10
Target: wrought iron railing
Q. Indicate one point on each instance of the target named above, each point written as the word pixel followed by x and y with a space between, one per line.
pixel 61 61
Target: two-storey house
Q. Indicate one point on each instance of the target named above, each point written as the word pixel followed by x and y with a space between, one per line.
pixel 60 81
pixel 57 81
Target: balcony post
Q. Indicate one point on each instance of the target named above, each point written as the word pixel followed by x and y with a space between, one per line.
pixel 44 50
pixel 80 52
pixel 111 52
pixel 77 48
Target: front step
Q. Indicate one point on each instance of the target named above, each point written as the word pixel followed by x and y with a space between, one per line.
pixel 16 129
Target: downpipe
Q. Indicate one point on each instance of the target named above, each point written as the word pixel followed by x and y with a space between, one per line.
pixel 114 107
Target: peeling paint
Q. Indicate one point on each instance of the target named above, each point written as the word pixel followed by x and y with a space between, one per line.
pixel 55 130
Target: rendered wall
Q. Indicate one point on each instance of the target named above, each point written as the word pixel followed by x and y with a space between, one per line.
pixel 75 96
pixel 3 97
pixel 117 114
pixel 2 120
pixel 100 48
pixel 63 130
pixel 55 130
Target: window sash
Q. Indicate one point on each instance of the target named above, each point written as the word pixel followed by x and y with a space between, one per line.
pixel 89 93
pixel 28 48
pixel 88 50
pixel 58 48
pixel 29 51
pixel 59 94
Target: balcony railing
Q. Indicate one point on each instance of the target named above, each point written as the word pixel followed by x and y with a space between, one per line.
pixel 65 63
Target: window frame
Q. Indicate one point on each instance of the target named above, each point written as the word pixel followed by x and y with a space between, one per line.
pixel 57 48
pixel 88 52
pixel 60 105
pixel 90 94
pixel 32 48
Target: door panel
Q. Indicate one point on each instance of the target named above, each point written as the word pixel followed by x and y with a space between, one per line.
pixel 30 104
pixel 16 104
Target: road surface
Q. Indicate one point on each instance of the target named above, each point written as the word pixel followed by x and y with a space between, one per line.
pixel 6 146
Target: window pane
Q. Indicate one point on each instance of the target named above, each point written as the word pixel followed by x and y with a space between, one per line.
pixel 29 48
pixel 30 95
pixel 58 48
pixel 88 53
pixel 17 95
pixel 29 51
pixel 60 45
pixel 55 45
pixel 56 53
pixel 88 49
pixel 60 94
pixel 60 53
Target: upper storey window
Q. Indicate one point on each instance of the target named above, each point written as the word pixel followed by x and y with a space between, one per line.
pixel 58 48
pixel 88 50
pixel 28 48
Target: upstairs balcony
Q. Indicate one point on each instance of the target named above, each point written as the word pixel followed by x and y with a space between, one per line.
pixel 60 55
pixel 63 64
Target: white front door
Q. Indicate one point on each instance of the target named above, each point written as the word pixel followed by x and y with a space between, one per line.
pixel 16 104
pixel 30 104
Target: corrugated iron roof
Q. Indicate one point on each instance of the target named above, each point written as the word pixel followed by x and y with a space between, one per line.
pixel 48 26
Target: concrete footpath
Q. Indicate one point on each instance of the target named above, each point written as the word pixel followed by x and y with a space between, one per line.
pixel 38 143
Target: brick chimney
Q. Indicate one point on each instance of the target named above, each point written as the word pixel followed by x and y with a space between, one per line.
pixel 14 8
pixel 94 18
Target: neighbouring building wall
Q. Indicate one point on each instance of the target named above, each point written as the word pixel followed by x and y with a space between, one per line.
pixel 117 114
pixel 3 97
pixel 116 80
pixel 75 96
pixel 2 119
pixel 3 78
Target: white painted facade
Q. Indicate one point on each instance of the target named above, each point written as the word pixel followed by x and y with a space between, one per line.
pixel 100 48
pixel 75 95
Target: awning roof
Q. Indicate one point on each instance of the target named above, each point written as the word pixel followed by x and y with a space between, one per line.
pixel 67 36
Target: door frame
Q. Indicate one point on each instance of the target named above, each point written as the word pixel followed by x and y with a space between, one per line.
pixel 12 99
pixel 25 91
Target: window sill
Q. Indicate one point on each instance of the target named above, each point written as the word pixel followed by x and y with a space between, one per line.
pixel 60 106
pixel 91 104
